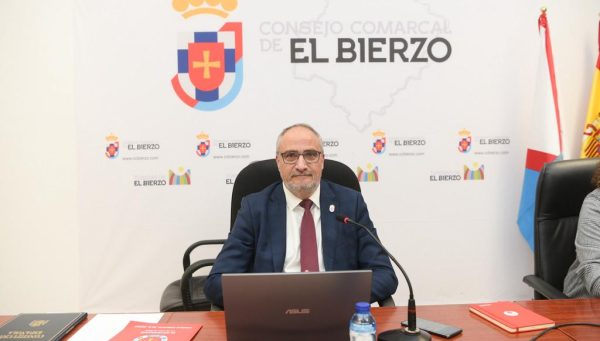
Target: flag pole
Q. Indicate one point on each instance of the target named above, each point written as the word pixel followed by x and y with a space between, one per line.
pixel 544 143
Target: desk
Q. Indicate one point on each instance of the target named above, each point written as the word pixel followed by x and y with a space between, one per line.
pixel 474 327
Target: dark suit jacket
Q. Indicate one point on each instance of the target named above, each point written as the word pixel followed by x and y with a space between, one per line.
pixel 257 240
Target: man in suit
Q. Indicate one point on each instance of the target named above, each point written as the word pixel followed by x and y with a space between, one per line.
pixel 290 226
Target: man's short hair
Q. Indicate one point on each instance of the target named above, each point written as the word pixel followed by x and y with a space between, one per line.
pixel 298 125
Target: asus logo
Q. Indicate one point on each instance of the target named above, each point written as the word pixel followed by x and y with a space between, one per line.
pixel 296 311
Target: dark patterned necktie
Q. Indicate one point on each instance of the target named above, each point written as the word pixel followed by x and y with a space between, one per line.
pixel 309 260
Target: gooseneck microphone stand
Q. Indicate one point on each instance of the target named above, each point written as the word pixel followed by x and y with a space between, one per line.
pixel 411 332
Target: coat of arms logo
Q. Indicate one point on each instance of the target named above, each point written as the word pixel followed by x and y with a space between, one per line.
pixel 209 63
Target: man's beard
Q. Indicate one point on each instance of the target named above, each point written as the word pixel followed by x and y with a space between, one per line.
pixel 302 191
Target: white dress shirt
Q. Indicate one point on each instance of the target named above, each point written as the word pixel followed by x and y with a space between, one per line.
pixel 294 213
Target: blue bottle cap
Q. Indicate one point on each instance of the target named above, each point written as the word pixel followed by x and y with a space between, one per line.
pixel 362 307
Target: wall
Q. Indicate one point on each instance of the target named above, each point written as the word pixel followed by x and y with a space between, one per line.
pixel 38 222
pixel 39 226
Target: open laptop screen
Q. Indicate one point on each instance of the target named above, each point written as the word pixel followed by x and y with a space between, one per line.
pixel 292 306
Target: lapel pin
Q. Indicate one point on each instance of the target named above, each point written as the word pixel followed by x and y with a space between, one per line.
pixel 332 208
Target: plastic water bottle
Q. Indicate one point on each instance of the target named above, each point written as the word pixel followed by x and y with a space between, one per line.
pixel 362 324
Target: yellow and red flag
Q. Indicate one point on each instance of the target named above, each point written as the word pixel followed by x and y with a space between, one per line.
pixel 591 132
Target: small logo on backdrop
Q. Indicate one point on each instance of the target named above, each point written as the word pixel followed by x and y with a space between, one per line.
pixel 407 146
pixel 143 150
pixel 209 67
pixel 149 181
pixel 445 176
pixel 231 149
pixel 203 147
pixel 38 323
pixel 112 149
pixel 492 145
pixel 464 145
pixel 380 141
pixel 190 8
pixel 182 178
pixel 371 174
pixel 475 173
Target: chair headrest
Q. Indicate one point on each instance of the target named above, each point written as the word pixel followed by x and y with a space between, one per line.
pixel 260 174
pixel 562 186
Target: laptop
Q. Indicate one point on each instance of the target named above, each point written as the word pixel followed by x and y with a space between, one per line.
pixel 292 306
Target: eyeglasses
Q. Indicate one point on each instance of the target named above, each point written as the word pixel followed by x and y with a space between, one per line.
pixel 291 157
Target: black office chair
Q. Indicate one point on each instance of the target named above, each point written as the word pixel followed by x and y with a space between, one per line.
pixel 561 189
pixel 187 293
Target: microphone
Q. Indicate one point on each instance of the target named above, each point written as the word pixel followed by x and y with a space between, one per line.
pixel 411 332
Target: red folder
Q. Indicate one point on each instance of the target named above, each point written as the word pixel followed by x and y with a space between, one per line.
pixel 157 331
pixel 511 316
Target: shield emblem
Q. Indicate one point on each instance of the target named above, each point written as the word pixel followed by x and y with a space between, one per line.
pixel 464 145
pixel 206 65
pixel 203 148
pixel 210 67
pixel 112 150
pixel 379 146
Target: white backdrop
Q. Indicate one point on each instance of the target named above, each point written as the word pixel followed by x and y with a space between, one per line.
pixel 457 238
